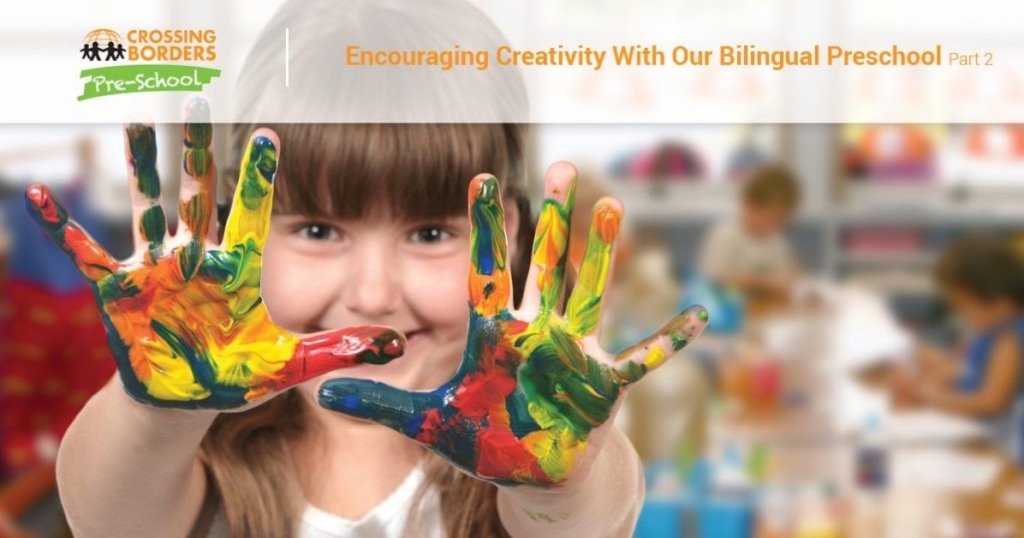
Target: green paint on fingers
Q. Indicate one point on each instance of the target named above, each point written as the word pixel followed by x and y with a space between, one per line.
pixel 679 341
pixel 262 164
pixel 153 224
pixel 253 193
pixel 198 135
pixel 195 213
pixel 189 257
pixel 584 308
pixel 488 229
pixel 142 147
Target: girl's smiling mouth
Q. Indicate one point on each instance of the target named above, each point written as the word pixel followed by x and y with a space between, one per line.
pixel 414 334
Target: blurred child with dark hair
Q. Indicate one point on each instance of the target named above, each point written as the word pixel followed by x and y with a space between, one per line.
pixel 982 280
pixel 751 253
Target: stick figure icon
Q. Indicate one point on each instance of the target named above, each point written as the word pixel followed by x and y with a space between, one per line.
pixel 113 53
pixel 91 52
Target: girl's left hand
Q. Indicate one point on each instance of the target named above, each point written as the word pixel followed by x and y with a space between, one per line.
pixel 534 388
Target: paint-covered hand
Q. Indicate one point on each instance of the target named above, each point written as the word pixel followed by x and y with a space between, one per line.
pixel 534 388
pixel 184 317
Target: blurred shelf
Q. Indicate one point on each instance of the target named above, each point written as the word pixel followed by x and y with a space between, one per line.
pixel 929 218
pixel 685 201
pixel 899 290
pixel 888 186
pixel 887 258
pixel 931 204
pixel 675 201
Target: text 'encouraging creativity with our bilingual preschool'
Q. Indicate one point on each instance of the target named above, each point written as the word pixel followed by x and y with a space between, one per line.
pixel 596 58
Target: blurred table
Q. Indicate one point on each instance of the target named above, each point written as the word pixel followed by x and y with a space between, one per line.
pixel 907 511
pixel 807 446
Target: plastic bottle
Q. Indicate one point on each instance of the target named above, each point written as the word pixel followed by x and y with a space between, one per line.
pixel 872 457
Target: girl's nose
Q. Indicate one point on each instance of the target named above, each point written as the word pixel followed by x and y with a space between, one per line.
pixel 371 289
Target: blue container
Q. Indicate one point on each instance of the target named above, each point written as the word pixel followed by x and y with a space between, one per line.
pixel 673 517
pixel 661 518
pixel 726 308
pixel 721 516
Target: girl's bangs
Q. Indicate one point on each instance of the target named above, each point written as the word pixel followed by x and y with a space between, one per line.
pixel 407 171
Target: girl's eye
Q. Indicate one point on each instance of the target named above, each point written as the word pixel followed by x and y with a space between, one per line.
pixel 430 234
pixel 317 232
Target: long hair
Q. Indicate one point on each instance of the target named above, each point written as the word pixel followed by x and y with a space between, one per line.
pixel 343 170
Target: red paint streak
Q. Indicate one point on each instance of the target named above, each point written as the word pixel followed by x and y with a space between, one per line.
pixel 42 198
pixel 86 251
pixel 502 455
pixel 431 427
pixel 393 348
pixel 481 391
pixel 136 303
pixel 339 349
pixel 514 328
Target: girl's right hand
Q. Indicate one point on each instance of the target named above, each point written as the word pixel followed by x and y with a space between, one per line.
pixel 184 316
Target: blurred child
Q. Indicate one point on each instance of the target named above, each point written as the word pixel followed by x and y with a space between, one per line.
pixel 983 282
pixel 751 253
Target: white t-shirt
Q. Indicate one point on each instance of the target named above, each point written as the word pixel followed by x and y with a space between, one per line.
pixel 386 520
pixel 729 250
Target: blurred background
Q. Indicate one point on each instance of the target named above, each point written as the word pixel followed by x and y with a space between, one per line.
pixel 860 279
pixel 845 386
pixel 805 410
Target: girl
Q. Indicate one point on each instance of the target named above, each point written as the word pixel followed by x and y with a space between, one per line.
pixel 983 282
pixel 369 229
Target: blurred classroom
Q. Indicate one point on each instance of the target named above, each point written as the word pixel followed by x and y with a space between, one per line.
pixel 802 411
pixel 786 417
pixel 782 420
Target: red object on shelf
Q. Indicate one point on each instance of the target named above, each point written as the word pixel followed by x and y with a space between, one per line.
pixel 892 153
pixel 766 382
pixel 995 141
pixel 883 240
pixel 669 160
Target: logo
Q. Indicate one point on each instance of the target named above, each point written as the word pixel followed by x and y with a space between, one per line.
pixel 149 50
pixel 112 46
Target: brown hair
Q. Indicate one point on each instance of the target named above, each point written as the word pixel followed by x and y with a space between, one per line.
pixel 987 268
pixel 772 185
pixel 343 171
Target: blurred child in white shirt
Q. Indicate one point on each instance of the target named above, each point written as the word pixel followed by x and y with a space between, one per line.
pixel 751 252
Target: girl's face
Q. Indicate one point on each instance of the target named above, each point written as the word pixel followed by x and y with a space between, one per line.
pixel 321 274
